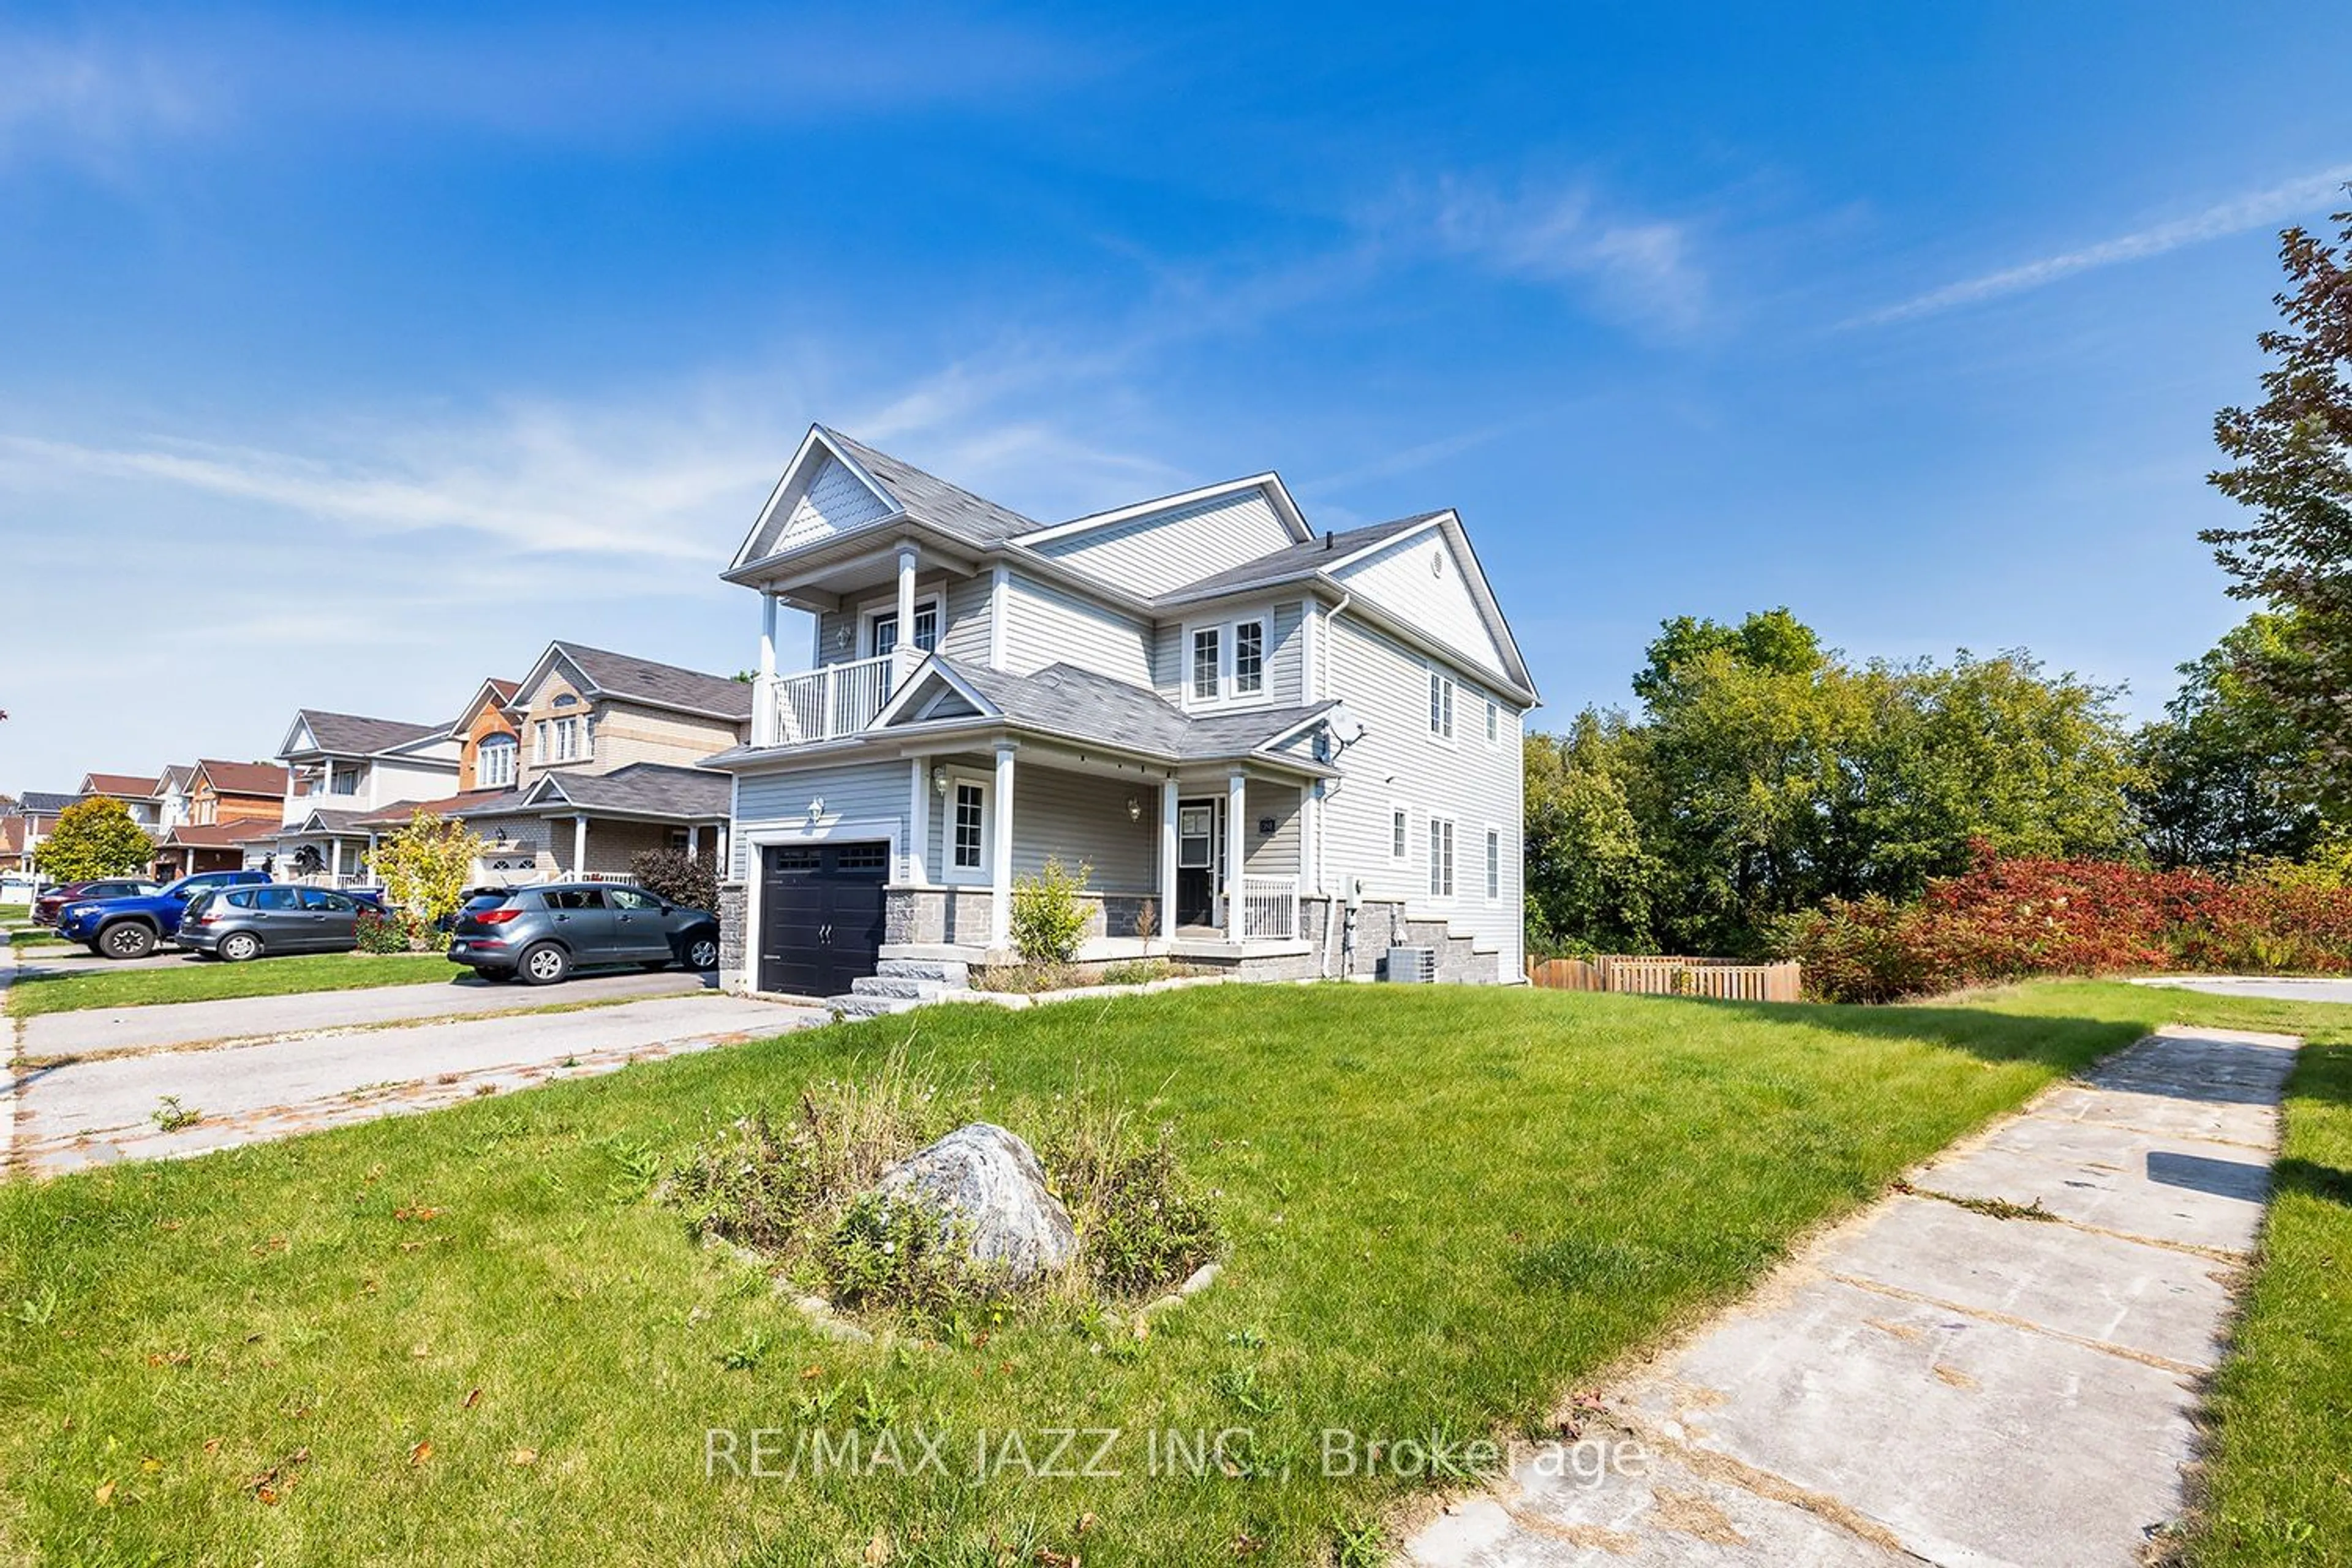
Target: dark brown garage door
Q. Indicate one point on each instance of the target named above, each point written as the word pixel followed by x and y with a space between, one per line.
pixel 820 915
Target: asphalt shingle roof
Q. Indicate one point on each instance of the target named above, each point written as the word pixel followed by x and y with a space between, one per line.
pixel 651 789
pixel 473 802
pixel 41 802
pixel 927 498
pixel 121 784
pixel 353 734
pixel 1293 562
pixel 1079 703
pixel 245 778
pixel 664 685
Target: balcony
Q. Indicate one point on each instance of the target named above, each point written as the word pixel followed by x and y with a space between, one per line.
pixel 830 703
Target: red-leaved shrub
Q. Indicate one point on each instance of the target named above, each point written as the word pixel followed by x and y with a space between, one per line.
pixel 2011 918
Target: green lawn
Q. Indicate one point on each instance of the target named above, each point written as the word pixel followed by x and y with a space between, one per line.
pixel 104 985
pixel 1445 1209
pixel 33 935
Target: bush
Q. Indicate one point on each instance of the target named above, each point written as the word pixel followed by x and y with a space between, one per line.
pixel 1049 918
pixel 676 878
pixel 397 933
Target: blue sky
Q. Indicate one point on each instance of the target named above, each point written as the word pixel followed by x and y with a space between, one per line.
pixel 348 355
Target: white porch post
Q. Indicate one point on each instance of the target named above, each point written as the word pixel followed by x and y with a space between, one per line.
pixel 1000 867
pixel 763 688
pixel 1310 852
pixel 918 870
pixel 693 841
pixel 1236 853
pixel 371 853
pixel 1168 795
pixel 907 563
pixel 579 848
pixel 334 861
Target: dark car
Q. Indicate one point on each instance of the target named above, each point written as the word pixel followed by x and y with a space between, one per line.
pixel 539 935
pixel 241 924
pixel 130 928
pixel 52 899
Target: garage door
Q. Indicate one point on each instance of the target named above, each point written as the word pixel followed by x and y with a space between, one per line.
pixel 820 915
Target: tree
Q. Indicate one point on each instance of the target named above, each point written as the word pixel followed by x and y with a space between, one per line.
pixel 425 865
pixel 92 838
pixel 2231 770
pixel 2289 466
pixel 1587 878
pixel 1768 640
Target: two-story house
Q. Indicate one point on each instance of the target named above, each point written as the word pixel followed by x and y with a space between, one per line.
pixel 28 824
pixel 1276 751
pixel 170 795
pixel 229 804
pixel 340 768
pixel 587 760
pixel 136 793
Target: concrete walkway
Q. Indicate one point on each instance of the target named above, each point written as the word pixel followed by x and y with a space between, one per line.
pixel 2279 987
pixel 1935 1383
pixel 95 1112
pixel 101 1030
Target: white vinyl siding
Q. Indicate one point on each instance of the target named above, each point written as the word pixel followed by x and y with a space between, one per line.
pixel 834 501
pixel 1045 625
pixel 1420 581
pixel 1158 552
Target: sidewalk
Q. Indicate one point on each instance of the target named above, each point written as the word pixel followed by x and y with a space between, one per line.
pixel 2001 1367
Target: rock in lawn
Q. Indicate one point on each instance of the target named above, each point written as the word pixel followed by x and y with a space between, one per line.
pixel 988 1185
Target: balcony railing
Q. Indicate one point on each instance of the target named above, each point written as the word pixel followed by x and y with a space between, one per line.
pixel 832 703
pixel 1269 909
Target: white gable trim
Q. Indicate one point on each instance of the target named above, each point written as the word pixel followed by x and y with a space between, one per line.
pixel 928 672
pixel 815 447
pixel 297 738
pixel 1277 495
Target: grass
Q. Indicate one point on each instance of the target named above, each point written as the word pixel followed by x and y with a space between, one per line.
pixel 1445 1210
pixel 198 981
pixel 33 935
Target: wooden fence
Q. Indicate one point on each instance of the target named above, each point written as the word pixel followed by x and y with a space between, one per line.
pixel 1721 979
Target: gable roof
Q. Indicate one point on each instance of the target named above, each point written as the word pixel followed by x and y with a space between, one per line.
pixel 243 778
pixel 633 679
pixel 177 777
pixel 927 498
pixel 471 803
pixel 848 488
pixel 1276 493
pixel 320 819
pixel 118 784
pixel 217 835
pixel 641 789
pixel 353 734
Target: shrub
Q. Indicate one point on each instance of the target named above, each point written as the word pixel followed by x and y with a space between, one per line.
pixel 1141 1222
pixel 397 932
pixel 1049 918
pixel 426 865
pixel 676 878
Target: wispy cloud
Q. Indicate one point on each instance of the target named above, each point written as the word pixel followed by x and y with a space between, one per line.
pixel 1640 267
pixel 90 101
pixel 2256 209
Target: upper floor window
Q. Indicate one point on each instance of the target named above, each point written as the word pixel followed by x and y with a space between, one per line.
pixel 1493 721
pixel 559 740
pixel 494 763
pixel 884 636
pixel 1206 662
pixel 1249 659
pixel 1441 706
pixel 344 781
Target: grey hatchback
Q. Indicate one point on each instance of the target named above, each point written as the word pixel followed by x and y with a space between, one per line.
pixel 239 923
pixel 539 935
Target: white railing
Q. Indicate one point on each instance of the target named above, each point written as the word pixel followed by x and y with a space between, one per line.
pixel 833 702
pixel 1269 909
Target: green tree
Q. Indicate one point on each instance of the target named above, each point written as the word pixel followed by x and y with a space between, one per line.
pixel 2231 775
pixel 1587 878
pixel 425 865
pixel 2288 466
pixel 93 838
pixel 1766 640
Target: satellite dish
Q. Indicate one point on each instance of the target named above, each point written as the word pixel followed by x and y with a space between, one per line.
pixel 1345 727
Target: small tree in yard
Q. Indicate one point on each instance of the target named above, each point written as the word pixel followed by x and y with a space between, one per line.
pixel 425 866
pixel 1049 918
pixel 94 839
pixel 676 878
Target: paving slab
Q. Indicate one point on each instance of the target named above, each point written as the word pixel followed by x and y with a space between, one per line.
pixel 92 1030
pixel 1932 1384
pixel 99 1111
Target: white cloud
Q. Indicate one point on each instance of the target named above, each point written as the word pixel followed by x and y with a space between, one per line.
pixel 2278 205
pixel 89 102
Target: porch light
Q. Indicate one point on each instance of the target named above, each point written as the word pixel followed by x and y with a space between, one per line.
pixel 1135 809
pixel 939 780
pixel 817 810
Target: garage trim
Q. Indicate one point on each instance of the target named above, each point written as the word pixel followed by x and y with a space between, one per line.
pixel 892 830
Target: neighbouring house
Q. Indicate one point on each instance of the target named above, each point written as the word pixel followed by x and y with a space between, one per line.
pixel 341 768
pixel 229 804
pixel 1275 752
pixel 590 758
pixel 34 816
pixel 171 796
pixel 136 793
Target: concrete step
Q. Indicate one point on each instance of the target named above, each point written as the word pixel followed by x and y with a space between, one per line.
pixel 855 1005
pixel 947 971
pixel 890 985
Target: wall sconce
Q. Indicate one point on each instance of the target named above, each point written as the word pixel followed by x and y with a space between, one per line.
pixel 1135 809
pixel 939 780
pixel 817 810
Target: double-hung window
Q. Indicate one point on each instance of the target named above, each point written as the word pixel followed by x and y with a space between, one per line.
pixel 1441 706
pixel 1249 658
pixel 1441 857
pixel 1207 664
pixel 494 763
pixel 967 830
pixel 1400 835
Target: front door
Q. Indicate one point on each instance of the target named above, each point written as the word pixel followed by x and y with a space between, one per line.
pixel 820 915
pixel 1199 860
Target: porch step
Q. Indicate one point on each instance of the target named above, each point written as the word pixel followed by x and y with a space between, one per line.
pixel 890 985
pixel 858 1004
pixel 947 971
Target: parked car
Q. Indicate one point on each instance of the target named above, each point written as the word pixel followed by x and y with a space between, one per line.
pixel 130 928
pixel 52 899
pixel 539 935
pixel 241 924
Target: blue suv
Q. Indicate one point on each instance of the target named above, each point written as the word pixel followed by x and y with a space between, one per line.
pixel 130 928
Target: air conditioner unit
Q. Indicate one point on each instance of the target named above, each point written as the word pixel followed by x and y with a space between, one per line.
pixel 1412 965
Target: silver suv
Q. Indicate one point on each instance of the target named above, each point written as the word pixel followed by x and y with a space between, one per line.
pixel 539 935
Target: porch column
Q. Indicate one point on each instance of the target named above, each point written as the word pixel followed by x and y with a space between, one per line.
pixel 763 687
pixel 1000 866
pixel 906 563
pixel 1168 795
pixel 579 848
pixel 1310 848
pixel 1236 853
pixel 693 841
pixel 918 870
pixel 334 861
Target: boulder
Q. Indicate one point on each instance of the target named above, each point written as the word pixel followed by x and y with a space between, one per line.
pixel 987 1185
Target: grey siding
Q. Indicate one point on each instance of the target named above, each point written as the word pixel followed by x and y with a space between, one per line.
pixel 1161 551
pixel 1475 784
pixel 1077 817
pixel 967 631
pixel 962 600
pixel 1285 660
pixel 1438 603
pixel 851 792
pixel 1168 661
pixel 1272 854
pixel 1044 625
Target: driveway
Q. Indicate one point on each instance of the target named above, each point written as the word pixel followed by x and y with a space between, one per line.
pixel 2282 987
pixel 103 1030
pixel 2000 1367
pixel 95 1112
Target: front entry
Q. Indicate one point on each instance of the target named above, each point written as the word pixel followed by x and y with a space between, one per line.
pixel 1199 860
pixel 820 915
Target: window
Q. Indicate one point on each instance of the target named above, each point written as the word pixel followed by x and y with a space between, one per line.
pixel 1205 659
pixel 1494 863
pixel 884 638
pixel 343 781
pixel 319 898
pixel 494 763
pixel 1441 857
pixel 275 899
pixel 862 858
pixel 574 897
pixel 1441 706
pixel 1249 658
pixel 1493 721
pixel 539 742
pixel 630 898
pixel 565 739
pixel 969 852
pixel 1399 828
